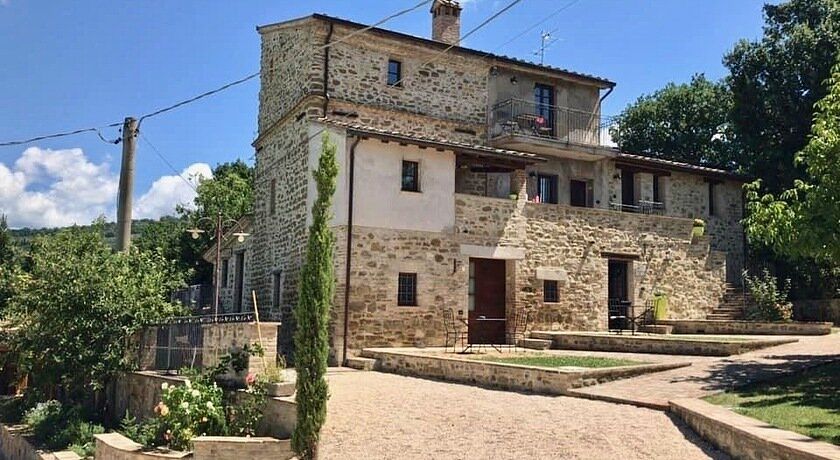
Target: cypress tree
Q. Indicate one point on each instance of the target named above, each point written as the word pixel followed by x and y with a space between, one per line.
pixel 311 313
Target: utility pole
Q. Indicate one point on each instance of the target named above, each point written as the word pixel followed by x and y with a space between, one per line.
pixel 126 191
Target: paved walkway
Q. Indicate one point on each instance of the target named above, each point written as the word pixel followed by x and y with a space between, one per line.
pixel 373 415
pixel 711 375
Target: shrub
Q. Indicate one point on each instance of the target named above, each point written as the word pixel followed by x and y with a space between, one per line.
pixel 48 421
pixel 81 437
pixel 770 301
pixel 187 411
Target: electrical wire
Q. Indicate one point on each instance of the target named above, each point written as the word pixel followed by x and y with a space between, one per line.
pixel 205 94
pixel 534 26
pixel 467 35
pixel 163 158
pixel 65 134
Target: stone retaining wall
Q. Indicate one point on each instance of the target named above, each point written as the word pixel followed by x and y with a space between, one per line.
pixel 501 375
pixel 218 340
pixel 655 345
pixel 817 310
pixel 747 438
pixel 139 392
pixel 746 327
pixel 114 446
pixel 14 445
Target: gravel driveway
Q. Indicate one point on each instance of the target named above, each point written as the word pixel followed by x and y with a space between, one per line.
pixel 372 415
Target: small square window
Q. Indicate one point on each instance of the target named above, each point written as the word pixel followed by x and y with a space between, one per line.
pixel 410 176
pixel 407 290
pixel 550 293
pixel 394 73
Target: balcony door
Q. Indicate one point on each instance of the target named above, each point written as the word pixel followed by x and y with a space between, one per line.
pixel 544 107
pixel 628 190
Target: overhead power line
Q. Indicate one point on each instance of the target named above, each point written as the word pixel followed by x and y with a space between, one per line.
pixel 163 158
pixel 207 93
pixel 543 21
pixel 464 37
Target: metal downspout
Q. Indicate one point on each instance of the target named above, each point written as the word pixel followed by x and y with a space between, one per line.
pixel 348 257
pixel 327 69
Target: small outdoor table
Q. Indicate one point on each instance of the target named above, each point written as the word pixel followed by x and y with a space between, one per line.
pixel 481 344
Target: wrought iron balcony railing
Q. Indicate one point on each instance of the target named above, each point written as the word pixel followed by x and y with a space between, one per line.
pixel 523 118
pixel 642 207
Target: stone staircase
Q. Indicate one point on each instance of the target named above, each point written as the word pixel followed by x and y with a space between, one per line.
pixel 731 308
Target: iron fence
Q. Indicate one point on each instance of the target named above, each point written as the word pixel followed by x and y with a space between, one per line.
pixel 178 342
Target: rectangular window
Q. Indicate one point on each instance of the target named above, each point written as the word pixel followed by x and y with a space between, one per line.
pixel 273 199
pixel 394 73
pixel 550 293
pixel 277 289
pixel 711 198
pixel 407 290
pixel 410 176
pixel 224 275
pixel 579 193
pixel 657 194
pixel 547 188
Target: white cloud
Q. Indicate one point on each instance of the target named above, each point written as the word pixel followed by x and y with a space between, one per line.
pixel 48 188
pixel 56 188
pixel 169 191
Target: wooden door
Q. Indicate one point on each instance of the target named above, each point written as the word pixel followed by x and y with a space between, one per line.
pixel 628 189
pixel 618 296
pixel 488 302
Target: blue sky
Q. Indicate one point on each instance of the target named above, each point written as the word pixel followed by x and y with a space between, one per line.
pixel 70 65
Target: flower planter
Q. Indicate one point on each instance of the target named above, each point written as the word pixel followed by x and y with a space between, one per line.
pixel 281 389
pixel 697 231
pixel 513 196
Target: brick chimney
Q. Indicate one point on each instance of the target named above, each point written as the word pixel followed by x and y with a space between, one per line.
pixel 446 21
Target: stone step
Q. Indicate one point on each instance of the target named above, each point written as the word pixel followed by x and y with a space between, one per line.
pixel 534 344
pixel 362 364
pixel 722 317
pixel 727 310
pixel 663 329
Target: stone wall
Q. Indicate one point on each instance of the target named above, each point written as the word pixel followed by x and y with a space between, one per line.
pixel 573 242
pixel 139 392
pixel 744 437
pixel 279 237
pixel 670 345
pixel 15 445
pixel 503 375
pixel 114 446
pixel 217 340
pixel 746 327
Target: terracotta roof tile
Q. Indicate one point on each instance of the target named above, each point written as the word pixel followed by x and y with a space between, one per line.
pixel 443 143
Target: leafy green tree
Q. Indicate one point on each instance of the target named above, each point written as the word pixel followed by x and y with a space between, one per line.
pixel 9 267
pixel 231 192
pixel 78 307
pixel 684 122
pixel 313 310
pixel 775 83
pixel 803 221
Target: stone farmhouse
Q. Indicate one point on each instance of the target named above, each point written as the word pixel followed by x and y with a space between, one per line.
pixel 468 181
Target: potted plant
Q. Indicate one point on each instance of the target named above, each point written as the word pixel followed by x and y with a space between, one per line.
pixel 698 228
pixel 514 196
pixel 276 381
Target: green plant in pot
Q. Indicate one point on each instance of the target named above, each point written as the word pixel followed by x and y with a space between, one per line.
pixel 698 228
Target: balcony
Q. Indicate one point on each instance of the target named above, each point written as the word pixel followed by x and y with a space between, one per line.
pixel 544 129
